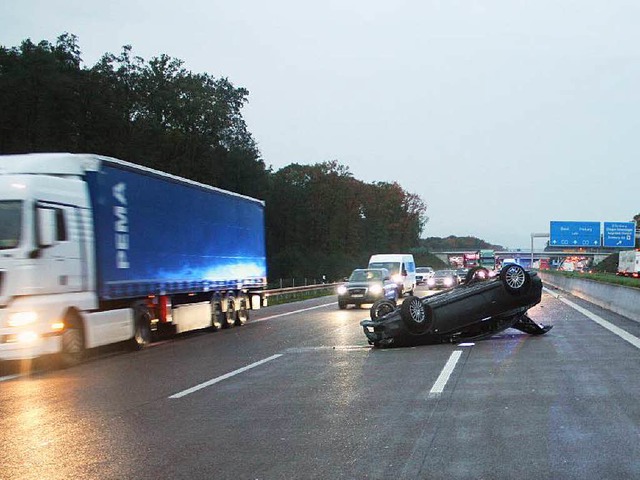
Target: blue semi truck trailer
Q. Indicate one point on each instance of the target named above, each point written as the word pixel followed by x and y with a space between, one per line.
pixel 95 250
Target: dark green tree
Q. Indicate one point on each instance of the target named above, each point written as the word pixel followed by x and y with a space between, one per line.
pixel 319 218
pixel 39 105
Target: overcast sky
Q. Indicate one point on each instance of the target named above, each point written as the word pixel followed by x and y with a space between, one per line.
pixel 501 115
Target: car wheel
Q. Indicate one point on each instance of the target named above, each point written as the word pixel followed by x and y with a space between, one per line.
pixel 381 308
pixel 515 279
pixel 341 305
pixel 476 274
pixel 415 316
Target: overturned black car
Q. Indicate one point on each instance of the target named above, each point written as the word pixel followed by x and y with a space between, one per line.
pixel 482 306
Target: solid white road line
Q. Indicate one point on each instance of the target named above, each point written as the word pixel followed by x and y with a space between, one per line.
pixel 9 377
pixel 635 341
pixel 551 292
pixel 446 372
pixel 223 377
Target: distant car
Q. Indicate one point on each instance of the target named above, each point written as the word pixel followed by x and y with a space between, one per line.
pixel 423 274
pixel 366 285
pixel 479 308
pixel 443 279
pixel 462 274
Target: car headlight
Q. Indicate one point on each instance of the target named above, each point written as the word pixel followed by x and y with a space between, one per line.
pixel 20 319
pixel 431 281
pixel 375 289
pixel 397 278
pixel 448 281
pixel 342 290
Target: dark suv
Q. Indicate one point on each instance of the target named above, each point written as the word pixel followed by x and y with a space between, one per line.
pixel 366 285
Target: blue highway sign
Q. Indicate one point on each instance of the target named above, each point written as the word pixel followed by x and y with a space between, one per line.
pixel 619 234
pixel 574 234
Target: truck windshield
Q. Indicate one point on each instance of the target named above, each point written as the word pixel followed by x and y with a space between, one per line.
pixel 10 223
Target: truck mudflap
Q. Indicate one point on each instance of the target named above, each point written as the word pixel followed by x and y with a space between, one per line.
pixel 526 325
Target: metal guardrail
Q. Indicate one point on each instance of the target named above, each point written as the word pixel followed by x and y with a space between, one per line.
pixel 306 288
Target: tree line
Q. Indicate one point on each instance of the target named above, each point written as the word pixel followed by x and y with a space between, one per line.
pixel 320 220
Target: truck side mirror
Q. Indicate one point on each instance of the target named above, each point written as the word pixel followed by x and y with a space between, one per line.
pixel 46 226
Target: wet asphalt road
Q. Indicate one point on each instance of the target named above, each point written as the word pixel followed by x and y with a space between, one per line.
pixel 302 396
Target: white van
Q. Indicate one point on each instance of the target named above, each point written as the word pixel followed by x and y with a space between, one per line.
pixel 402 268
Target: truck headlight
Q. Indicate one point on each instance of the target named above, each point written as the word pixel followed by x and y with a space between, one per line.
pixel 27 337
pixel 20 319
pixel 342 290
pixel 375 289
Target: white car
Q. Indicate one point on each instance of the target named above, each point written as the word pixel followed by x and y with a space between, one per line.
pixel 423 274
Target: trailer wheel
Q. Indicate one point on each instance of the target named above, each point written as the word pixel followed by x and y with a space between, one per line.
pixel 141 327
pixel 73 343
pixel 242 315
pixel 217 315
pixel 230 311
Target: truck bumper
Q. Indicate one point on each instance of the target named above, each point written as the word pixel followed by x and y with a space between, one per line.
pixel 13 349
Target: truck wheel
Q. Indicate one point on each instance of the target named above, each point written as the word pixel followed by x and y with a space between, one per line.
pixel 230 312
pixel 217 315
pixel 515 279
pixel 141 327
pixel 242 315
pixel 381 308
pixel 414 314
pixel 73 346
